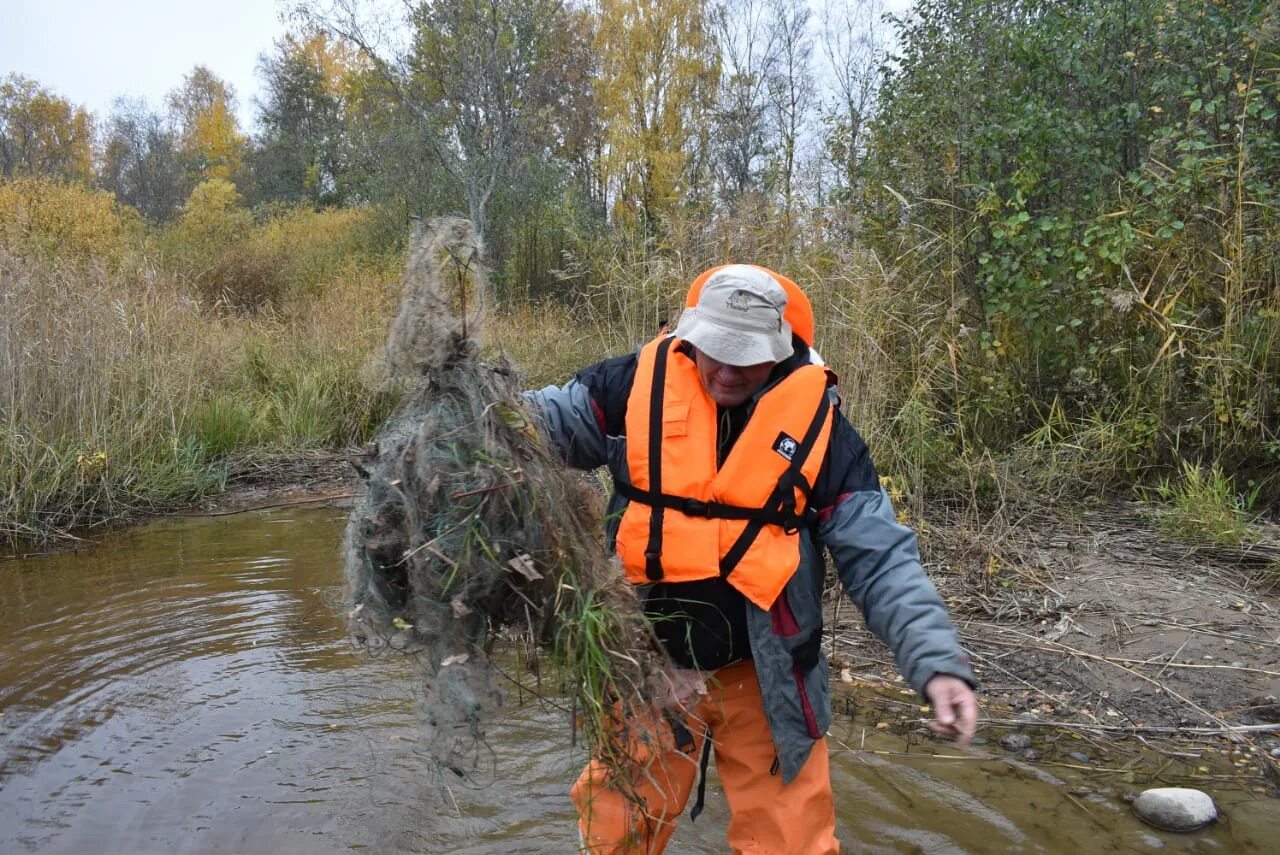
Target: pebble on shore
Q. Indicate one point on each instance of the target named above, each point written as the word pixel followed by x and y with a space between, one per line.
pixel 1175 808
pixel 1016 741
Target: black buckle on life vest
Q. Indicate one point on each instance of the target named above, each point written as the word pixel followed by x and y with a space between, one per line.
pixel 695 508
pixel 794 522
pixel 683 738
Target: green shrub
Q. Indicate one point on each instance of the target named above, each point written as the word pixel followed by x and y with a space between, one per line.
pixel 1204 506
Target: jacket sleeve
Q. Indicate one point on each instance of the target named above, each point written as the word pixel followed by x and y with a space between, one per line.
pixel 879 566
pixel 581 415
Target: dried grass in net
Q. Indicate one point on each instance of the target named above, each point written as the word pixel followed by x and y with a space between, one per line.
pixel 469 525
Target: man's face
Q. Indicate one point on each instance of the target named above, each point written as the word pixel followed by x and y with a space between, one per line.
pixel 731 385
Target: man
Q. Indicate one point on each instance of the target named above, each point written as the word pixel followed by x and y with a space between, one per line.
pixel 733 469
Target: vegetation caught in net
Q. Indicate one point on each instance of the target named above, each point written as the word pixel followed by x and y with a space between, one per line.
pixel 469 526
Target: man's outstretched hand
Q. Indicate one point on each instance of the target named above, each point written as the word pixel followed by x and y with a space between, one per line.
pixel 955 708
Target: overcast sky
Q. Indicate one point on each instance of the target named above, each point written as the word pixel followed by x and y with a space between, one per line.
pixel 93 51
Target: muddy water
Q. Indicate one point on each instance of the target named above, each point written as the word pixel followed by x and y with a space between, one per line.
pixel 186 687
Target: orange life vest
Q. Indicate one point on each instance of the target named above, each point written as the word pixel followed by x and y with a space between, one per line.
pixel 689 520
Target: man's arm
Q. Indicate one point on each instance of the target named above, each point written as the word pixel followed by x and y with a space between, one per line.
pixel 579 416
pixel 568 420
pixel 879 565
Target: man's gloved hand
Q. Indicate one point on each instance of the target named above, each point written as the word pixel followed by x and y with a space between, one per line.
pixel 955 707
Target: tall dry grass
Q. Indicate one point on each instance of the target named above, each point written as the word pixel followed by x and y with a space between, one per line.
pixel 548 342
pixel 122 392
pixel 124 386
pixel 99 370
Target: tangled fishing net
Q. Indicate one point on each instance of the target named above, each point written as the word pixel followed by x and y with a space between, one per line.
pixel 470 528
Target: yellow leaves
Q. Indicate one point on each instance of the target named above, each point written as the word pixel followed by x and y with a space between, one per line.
pixel 215 139
pixel 73 221
pixel 657 67
pixel 518 420
pixel 42 133
pixel 989 205
pixel 294 252
pixel 335 61
pixel 213 215
pixel 896 494
pixel 210 243
pixel 91 465
pixel 211 139
pixel 950 162
pixel 512 417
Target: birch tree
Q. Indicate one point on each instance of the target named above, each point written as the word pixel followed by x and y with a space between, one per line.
pixel 747 60
pixel 475 76
pixel 304 150
pixel 42 133
pixel 204 113
pixel 853 45
pixel 659 68
pixel 791 91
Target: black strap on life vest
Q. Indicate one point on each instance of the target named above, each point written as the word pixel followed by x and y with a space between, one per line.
pixel 779 509
pixel 681 734
pixel 657 397
pixel 716 510
pixel 685 743
pixel 783 499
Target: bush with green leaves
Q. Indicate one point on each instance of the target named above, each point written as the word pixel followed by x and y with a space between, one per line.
pixel 1103 221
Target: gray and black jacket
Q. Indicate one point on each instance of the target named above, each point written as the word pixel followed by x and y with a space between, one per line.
pixel 876 558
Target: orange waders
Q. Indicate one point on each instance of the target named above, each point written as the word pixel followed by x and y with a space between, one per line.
pixel 632 810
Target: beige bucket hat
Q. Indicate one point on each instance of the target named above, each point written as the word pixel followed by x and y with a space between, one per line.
pixel 738 319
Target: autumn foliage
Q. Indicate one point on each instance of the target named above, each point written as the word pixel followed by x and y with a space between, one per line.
pixel 1040 234
pixel 65 221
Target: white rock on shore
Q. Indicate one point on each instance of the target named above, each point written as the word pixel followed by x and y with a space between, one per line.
pixel 1175 808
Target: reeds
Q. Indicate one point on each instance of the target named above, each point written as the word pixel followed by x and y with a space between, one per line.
pixel 99 371
pixel 122 390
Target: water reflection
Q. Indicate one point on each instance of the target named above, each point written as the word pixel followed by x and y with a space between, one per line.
pixel 188 687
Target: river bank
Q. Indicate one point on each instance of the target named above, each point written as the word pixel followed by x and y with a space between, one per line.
pixel 1096 637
